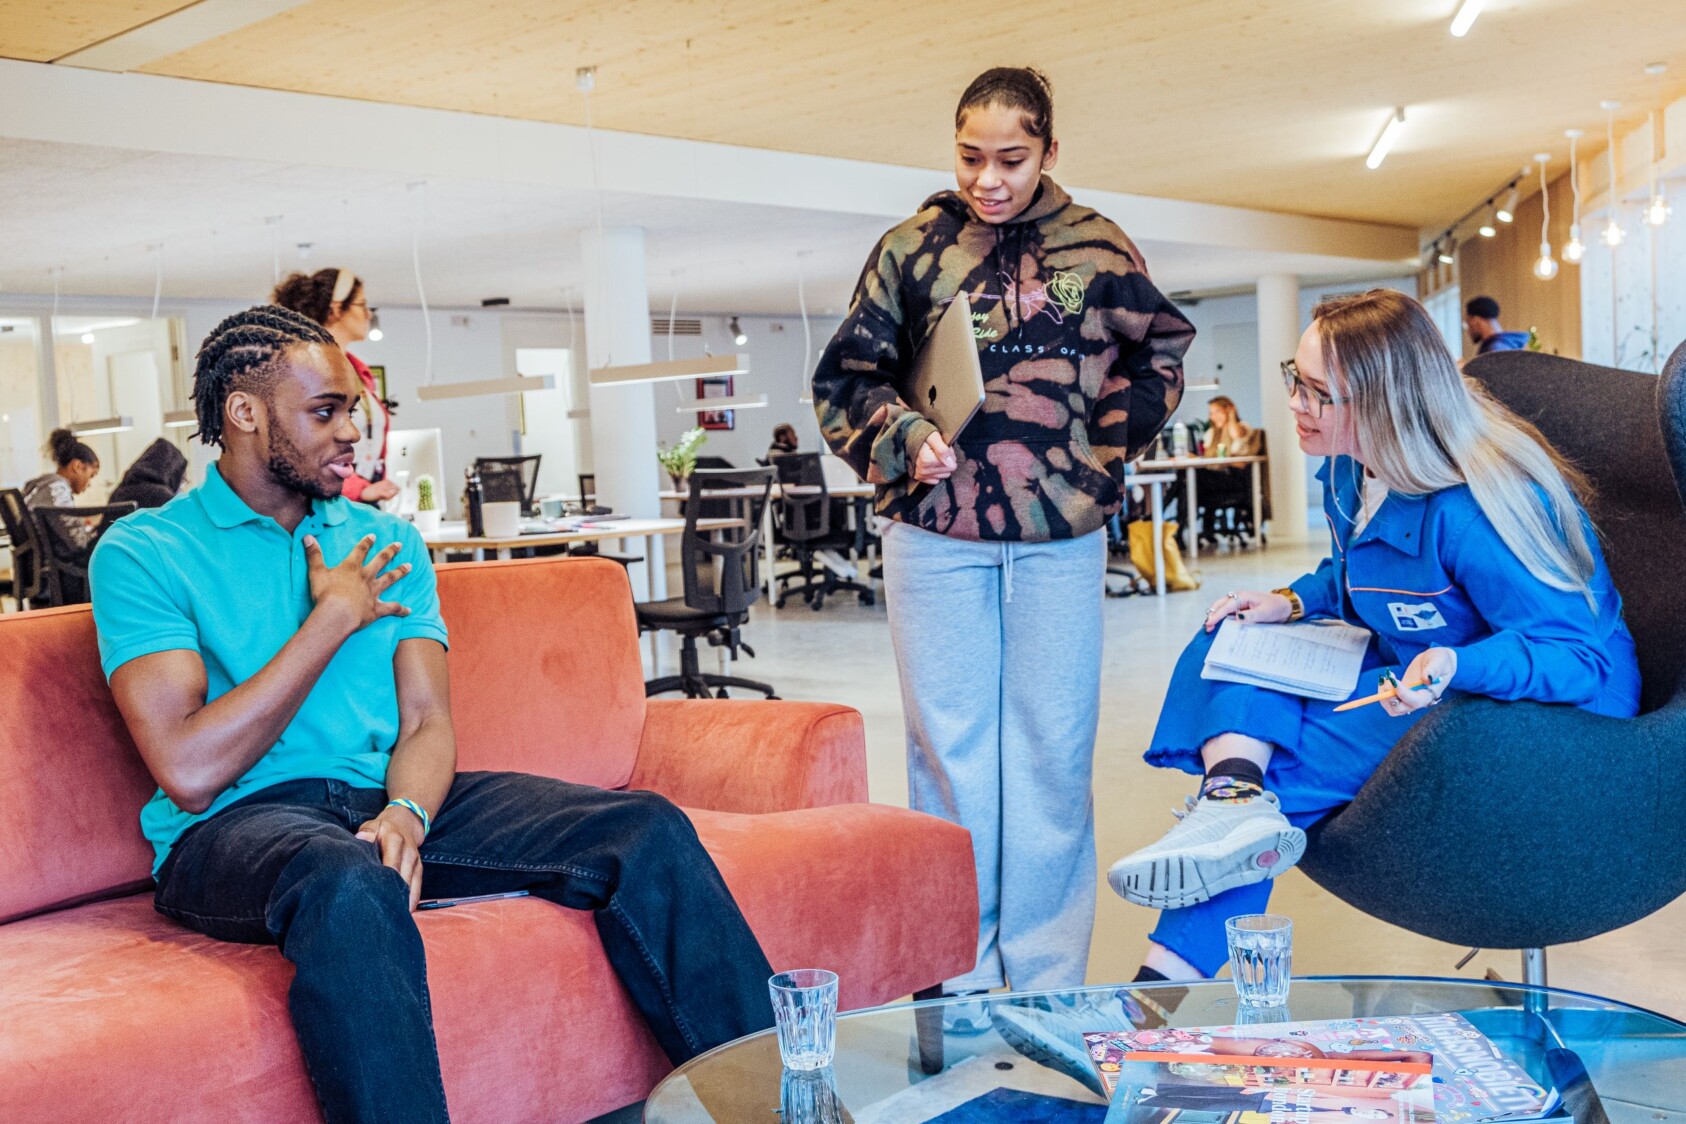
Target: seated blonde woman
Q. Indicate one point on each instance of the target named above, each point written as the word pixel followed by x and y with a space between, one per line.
pixel 1458 541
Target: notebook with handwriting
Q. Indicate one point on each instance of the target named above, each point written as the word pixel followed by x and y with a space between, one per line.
pixel 1314 659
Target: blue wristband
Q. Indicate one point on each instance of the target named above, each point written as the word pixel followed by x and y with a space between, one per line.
pixel 421 813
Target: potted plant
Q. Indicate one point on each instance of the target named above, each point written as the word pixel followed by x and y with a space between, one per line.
pixel 427 505
pixel 681 459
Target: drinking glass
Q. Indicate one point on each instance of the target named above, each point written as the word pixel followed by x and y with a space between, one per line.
pixel 805 1007
pixel 810 1097
pixel 1261 947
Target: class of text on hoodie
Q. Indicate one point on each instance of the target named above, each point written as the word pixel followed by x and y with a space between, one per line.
pixel 1081 357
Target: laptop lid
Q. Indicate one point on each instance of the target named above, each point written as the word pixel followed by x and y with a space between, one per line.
pixel 947 383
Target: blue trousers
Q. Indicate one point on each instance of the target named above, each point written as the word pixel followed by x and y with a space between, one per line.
pixel 1321 761
pixel 282 867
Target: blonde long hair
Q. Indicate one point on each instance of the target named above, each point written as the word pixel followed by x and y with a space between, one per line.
pixel 1420 427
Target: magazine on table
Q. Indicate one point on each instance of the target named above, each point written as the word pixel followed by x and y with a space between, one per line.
pixel 1315 659
pixel 1474 1081
pixel 1157 1088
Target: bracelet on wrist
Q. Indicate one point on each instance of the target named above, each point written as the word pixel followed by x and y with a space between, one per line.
pixel 417 809
pixel 1296 607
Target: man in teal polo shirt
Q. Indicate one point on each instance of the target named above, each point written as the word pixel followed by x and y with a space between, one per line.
pixel 298 724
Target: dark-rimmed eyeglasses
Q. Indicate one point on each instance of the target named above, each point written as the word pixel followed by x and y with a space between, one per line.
pixel 1310 398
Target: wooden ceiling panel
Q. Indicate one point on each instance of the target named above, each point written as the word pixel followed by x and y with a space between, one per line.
pixel 1261 103
pixel 43 30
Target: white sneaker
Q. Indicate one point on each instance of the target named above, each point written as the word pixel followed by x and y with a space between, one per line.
pixel 1217 846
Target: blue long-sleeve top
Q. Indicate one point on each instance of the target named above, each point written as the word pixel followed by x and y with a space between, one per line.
pixel 1432 572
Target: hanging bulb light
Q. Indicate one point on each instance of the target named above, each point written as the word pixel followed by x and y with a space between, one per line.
pixel 1546 268
pixel 1658 210
pixel 1613 232
pixel 1574 249
pixel 375 333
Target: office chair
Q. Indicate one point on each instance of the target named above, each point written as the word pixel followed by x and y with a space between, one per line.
pixel 28 584
pixel 1518 825
pixel 1226 499
pixel 722 580
pixel 808 524
pixel 64 561
pixel 526 469
pixel 588 490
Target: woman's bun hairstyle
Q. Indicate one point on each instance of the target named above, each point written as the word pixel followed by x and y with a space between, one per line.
pixel 1023 88
pixel 65 449
pixel 312 294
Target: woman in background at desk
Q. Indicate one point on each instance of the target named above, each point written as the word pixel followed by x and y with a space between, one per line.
pixel 1459 543
pixel 335 299
pixel 995 548
pixel 76 465
pixel 1228 435
pixel 784 441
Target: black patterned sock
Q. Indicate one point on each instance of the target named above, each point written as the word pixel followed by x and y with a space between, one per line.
pixel 1233 778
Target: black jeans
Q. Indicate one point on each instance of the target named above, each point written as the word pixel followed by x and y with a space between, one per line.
pixel 283 867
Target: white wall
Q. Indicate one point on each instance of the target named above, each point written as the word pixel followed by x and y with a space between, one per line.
pixel 1205 357
pixel 777 368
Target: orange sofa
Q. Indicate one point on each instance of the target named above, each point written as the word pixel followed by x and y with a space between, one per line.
pixel 109 1011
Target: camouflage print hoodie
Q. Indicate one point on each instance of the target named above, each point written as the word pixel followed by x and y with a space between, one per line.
pixel 1082 365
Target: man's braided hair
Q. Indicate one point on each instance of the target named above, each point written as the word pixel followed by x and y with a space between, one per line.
pixel 240 353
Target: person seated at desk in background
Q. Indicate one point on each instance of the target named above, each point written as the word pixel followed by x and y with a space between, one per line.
pixel 1481 319
pixel 299 726
pixel 155 477
pixel 1226 490
pixel 784 441
pixel 77 465
pixel 1228 435
pixel 336 299
pixel 1458 542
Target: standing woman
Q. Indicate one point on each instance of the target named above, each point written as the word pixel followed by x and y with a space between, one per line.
pixel 995 549
pixel 335 299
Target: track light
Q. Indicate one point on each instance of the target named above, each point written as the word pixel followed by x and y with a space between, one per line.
pixel 1465 19
pixel 739 336
pixel 1384 143
pixel 1488 230
pixel 1448 254
pixel 1507 213
pixel 375 333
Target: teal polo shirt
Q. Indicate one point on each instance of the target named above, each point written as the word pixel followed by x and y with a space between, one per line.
pixel 207 574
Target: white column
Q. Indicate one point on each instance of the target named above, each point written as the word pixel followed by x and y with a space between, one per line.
pixel 1279 336
pixel 623 417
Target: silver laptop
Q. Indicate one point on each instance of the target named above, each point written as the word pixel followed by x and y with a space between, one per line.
pixel 947 384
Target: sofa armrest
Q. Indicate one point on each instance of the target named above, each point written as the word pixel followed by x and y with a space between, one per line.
pixel 752 755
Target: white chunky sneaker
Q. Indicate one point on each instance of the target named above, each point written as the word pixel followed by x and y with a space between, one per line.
pixel 1217 846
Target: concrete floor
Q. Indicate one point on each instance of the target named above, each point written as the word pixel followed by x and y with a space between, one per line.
pixel 842 654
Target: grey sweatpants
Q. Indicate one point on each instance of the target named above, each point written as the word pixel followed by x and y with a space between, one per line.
pixel 998 646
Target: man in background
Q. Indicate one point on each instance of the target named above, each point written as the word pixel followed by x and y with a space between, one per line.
pixel 1481 317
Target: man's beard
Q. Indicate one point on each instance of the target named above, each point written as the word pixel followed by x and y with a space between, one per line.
pixel 285 460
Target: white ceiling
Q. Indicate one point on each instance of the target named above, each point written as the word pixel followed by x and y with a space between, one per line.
pixel 94 212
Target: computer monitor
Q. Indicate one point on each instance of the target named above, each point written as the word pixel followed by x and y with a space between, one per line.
pixel 410 454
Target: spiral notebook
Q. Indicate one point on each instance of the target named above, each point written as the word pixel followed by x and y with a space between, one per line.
pixel 1313 659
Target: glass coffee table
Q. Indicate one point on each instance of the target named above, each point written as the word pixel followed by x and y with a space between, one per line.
pixel 954 1061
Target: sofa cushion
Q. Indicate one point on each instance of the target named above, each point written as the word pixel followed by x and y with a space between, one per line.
pixel 545 670
pixel 114 1012
pixel 71 782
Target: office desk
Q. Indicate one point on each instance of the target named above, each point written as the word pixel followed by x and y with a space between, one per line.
pixel 1187 466
pixel 860 494
pixel 453 535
